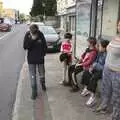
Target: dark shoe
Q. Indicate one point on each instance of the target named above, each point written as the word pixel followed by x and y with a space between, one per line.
pixel 67 84
pixel 61 82
pixel 75 89
pixel 43 87
pixel 34 93
pixel 33 97
pixel 64 83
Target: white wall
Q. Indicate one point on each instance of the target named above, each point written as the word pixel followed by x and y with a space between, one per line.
pixel 61 7
pixel 71 3
pixel 110 17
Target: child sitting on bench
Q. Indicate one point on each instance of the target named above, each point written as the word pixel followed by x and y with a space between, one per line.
pixel 95 73
pixel 84 63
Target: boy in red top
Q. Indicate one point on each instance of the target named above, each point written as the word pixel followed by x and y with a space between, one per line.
pixel 66 51
pixel 83 64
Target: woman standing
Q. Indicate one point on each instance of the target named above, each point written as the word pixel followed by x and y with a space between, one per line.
pixel 111 77
pixel 35 44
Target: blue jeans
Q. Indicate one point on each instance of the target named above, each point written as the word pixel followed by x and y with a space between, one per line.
pixel 33 72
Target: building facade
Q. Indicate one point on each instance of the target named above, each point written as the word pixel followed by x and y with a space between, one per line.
pixel 1 8
pixel 61 12
pixel 96 18
pixel 66 14
pixel 71 14
pixel 10 13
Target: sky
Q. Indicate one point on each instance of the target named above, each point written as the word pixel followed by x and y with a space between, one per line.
pixel 23 5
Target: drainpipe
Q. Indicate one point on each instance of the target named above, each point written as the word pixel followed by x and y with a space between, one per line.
pixel 101 19
pixel 94 17
pixel 74 53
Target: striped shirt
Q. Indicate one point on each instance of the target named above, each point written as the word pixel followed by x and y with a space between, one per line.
pixel 113 55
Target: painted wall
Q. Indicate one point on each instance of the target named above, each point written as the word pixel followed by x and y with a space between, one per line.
pixel 110 16
pixel 1 8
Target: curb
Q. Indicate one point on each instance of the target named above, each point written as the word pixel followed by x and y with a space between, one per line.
pixel 17 100
pixel 21 110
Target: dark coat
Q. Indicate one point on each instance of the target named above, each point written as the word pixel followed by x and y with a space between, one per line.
pixel 36 48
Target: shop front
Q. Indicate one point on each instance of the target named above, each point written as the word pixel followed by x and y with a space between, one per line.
pixel 96 18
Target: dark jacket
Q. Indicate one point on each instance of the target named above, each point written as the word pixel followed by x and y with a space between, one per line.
pixel 100 61
pixel 36 48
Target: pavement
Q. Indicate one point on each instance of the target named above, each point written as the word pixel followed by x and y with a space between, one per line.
pixel 58 103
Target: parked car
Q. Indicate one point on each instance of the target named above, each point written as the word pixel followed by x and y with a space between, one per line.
pixel 52 38
pixel 18 22
pixel 5 26
pixel 28 22
pixel 38 23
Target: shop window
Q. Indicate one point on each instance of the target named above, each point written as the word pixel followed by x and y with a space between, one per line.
pixel 72 23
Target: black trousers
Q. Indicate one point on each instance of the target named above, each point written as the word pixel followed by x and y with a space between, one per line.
pixel 96 75
pixel 91 79
pixel 86 77
pixel 72 72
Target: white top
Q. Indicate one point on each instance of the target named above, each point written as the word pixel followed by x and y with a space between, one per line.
pixel 113 55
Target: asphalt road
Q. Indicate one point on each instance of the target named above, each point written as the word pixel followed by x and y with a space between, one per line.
pixel 11 60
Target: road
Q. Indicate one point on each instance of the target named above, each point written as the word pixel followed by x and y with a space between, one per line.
pixel 11 60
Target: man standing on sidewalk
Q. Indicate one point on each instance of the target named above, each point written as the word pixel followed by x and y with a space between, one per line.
pixel 35 44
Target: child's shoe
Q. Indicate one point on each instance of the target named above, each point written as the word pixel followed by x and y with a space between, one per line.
pixel 90 101
pixel 85 92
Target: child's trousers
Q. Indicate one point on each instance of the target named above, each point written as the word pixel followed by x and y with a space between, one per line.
pixel 72 72
pixel 65 70
pixel 93 82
